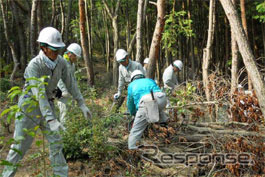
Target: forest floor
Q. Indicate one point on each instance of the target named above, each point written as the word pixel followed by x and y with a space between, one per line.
pixel 165 145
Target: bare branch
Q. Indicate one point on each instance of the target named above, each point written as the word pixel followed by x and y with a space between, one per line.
pixel 108 9
pixel 154 3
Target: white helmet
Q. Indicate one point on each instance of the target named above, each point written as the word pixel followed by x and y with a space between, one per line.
pixel 51 36
pixel 75 48
pixel 121 54
pixel 136 74
pixel 178 64
pixel 146 60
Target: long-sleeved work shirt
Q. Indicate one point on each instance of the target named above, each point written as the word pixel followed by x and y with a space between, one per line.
pixel 169 78
pixel 39 67
pixel 125 73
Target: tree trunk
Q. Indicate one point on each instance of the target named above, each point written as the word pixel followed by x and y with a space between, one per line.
pixel 207 52
pixel 115 40
pixel 67 22
pixel 147 43
pixel 191 53
pixel 128 26
pixel 245 50
pixel 10 44
pixel 114 17
pixel 139 45
pixel 84 43
pixel 132 42
pixel 263 38
pixel 145 48
pixel 227 53
pixel 107 39
pixel 243 16
pixel 89 24
pixel 154 49
pixel 62 17
pixel 53 13
pixel 90 30
pixel 39 17
pixel 21 37
pixel 234 67
pixel 244 23
pixel 33 27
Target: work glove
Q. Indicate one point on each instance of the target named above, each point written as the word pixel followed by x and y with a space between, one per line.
pixel 85 111
pixel 55 125
pixel 65 94
pixel 117 95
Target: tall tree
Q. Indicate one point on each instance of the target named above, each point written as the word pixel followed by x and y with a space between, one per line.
pixel 244 23
pixel 62 17
pixel 33 27
pixel 21 38
pixel 107 39
pixel 68 19
pixel 84 43
pixel 89 26
pixel 246 52
pixel 53 13
pixel 191 54
pixel 243 16
pixel 10 44
pixel 207 52
pixel 113 14
pixel 154 49
pixel 234 69
pixel 139 30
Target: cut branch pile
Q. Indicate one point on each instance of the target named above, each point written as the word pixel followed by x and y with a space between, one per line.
pixel 245 133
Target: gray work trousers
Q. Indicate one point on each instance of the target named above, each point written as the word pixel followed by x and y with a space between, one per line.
pixel 140 123
pixel 62 104
pixel 30 121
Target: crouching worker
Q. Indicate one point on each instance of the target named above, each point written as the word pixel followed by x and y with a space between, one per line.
pixel 147 102
pixel 47 63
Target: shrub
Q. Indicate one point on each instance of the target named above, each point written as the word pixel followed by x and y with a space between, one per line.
pixel 5 85
pixel 88 138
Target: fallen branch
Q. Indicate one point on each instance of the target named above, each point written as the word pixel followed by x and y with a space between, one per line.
pixel 198 103
pixel 227 131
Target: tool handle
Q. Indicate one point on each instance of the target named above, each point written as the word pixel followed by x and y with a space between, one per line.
pixel 152 95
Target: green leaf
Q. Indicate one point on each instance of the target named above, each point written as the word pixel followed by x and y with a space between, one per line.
pixel 5 112
pixel 17 151
pixel 39 143
pixel 14 88
pixel 14 93
pixel 5 163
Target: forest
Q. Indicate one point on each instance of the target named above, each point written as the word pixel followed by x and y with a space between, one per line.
pixel 216 112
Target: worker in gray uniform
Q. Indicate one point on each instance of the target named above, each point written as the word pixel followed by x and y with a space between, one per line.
pixel 73 52
pixel 47 63
pixel 126 67
pixel 169 76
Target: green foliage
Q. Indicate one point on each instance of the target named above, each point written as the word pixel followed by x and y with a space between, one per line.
pixel 7 69
pixel 176 24
pixel 90 137
pixel 31 102
pixel 261 12
pixel 5 84
pixel 74 24
pixel 182 97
